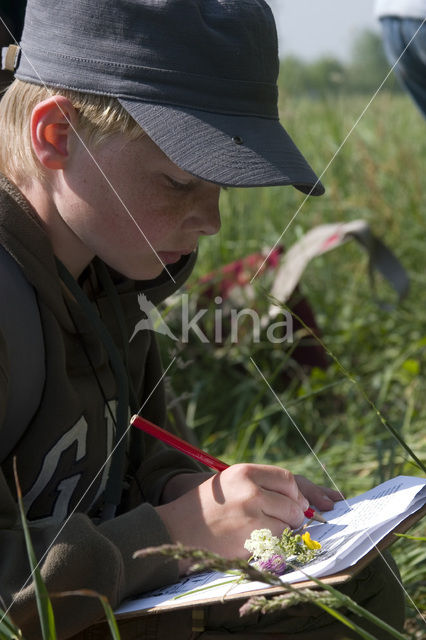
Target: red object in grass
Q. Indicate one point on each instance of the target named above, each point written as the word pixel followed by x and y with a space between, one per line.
pixel 238 273
pixel 235 277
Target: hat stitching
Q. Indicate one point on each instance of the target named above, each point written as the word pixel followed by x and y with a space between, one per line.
pixel 122 96
pixel 109 63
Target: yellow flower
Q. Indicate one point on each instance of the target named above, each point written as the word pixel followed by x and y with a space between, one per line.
pixel 311 544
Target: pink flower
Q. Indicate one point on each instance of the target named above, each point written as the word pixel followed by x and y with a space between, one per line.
pixel 275 564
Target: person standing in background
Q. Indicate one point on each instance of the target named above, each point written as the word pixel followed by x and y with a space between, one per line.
pixel 12 14
pixel 404 38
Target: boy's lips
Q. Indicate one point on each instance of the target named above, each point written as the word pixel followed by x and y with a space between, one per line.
pixel 169 257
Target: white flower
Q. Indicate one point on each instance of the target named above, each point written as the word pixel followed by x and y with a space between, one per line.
pixel 262 544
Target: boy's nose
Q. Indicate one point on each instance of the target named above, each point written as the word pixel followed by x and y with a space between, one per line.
pixel 204 217
pixel 211 222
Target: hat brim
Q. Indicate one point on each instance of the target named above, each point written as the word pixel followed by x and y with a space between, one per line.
pixel 230 150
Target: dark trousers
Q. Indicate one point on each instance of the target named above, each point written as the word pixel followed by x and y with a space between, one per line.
pixel 405 42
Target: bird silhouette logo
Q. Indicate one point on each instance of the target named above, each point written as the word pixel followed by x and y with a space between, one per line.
pixel 153 320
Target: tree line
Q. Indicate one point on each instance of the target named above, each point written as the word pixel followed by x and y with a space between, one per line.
pixel 365 71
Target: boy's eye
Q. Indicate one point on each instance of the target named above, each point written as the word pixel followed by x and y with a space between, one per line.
pixel 180 186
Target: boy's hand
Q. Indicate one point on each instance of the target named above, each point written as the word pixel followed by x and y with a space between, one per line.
pixel 220 514
pixel 320 497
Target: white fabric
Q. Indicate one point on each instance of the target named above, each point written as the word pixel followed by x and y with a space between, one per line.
pixel 400 8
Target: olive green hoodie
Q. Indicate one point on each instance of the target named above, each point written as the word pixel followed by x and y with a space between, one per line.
pixel 63 457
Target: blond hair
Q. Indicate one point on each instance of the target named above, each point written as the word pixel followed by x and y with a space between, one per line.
pixel 99 117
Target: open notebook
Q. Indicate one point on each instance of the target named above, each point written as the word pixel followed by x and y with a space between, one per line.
pixel 354 528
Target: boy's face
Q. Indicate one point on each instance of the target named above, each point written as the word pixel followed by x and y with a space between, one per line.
pixel 133 179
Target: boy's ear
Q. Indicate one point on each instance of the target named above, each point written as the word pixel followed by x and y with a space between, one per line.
pixel 52 122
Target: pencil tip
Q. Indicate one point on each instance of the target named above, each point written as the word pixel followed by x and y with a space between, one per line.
pixel 320 518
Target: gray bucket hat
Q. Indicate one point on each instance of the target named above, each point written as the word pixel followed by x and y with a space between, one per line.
pixel 199 76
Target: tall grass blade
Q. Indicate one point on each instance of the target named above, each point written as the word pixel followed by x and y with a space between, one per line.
pixel 344 620
pixel 8 630
pixel 44 605
pixel 418 538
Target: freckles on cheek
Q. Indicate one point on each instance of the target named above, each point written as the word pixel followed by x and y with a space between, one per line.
pixel 158 221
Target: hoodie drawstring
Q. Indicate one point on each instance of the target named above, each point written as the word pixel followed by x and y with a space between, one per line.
pixel 114 485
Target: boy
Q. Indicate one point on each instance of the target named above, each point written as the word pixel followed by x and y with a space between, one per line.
pixel 112 176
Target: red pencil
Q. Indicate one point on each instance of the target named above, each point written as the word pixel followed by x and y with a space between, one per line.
pixel 193 451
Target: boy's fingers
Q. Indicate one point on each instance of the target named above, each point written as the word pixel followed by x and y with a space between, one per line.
pixel 274 479
pixel 332 494
pixel 321 498
pixel 327 498
pixel 284 512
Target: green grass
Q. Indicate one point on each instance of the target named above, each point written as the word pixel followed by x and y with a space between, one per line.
pixel 377 176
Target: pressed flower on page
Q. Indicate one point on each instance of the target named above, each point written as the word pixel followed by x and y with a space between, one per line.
pixel 262 544
pixel 275 564
pixel 311 544
pixel 270 553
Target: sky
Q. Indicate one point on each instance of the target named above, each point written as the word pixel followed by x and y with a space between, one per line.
pixel 312 28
